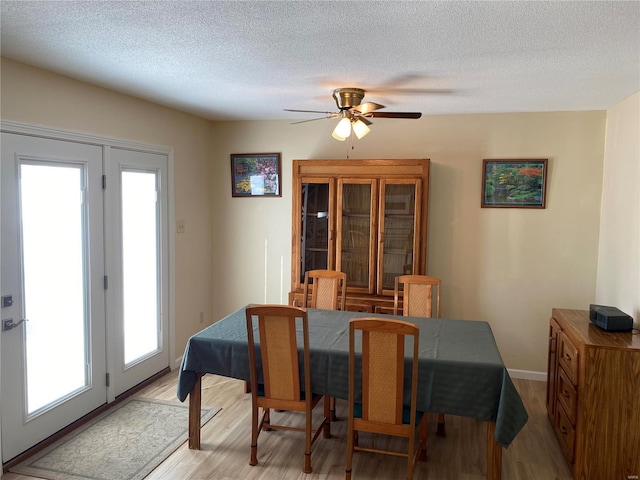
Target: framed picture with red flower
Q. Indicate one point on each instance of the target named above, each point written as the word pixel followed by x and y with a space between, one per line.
pixel 514 183
pixel 256 175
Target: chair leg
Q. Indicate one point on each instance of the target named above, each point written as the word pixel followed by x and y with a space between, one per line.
pixel 307 442
pixel 440 431
pixel 326 429
pixel 422 447
pixel 307 463
pixel 334 417
pixel 253 460
pixel 266 420
pixel 350 435
pixel 410 456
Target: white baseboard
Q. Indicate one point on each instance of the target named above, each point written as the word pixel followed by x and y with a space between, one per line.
pixel 528 375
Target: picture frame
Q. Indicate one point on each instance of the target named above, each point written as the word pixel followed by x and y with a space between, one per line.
pixel 256 175
pixel 518 183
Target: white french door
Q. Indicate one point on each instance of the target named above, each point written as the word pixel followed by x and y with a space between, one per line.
pixel 86 268
pixel 54 363
pixel 138 287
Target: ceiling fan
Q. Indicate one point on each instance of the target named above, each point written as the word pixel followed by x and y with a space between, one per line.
pixel 353 114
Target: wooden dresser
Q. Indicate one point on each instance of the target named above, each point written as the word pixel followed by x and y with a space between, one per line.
pixel 593 396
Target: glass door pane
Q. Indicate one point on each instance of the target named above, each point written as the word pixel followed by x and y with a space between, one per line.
pixel 315 228
pixel 398 225
pixel 355 224
pixel 140 242
pixel 54 278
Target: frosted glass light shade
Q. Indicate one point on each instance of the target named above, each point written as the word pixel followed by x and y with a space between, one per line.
pixel 360 129
pixel 342 130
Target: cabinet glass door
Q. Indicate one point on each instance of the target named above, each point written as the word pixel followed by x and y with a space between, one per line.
pixel 316 227
pixel 356 253
pixel 398 250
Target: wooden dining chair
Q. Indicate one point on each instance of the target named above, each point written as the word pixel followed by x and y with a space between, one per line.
pixel 324 288
pixel 377 404
pixel 327 287
pixel 419 293
pixel 275 375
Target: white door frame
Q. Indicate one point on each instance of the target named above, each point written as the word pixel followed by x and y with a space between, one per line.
pixel 106 142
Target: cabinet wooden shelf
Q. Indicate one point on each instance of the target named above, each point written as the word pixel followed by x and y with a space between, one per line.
pixel 370 219
pixel 593 386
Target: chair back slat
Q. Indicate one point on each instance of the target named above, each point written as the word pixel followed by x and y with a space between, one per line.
pixel 417 300
pixel 382 376
pixel 279 353
pixel 326 293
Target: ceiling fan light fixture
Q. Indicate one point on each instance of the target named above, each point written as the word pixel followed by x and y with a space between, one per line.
pixel 342 130
pixel 353 114
pixel 360 128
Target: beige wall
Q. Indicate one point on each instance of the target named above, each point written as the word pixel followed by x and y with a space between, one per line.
pixel 618 281
pixel 41 98
pixel 506 266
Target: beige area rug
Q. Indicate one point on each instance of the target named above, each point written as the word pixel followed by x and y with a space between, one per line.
pixel 124 443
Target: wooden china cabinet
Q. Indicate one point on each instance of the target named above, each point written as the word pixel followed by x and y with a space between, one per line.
pixel 366 218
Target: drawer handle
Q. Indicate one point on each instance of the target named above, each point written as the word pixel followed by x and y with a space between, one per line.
pixel 563 430
pixel 565 393
pixel 567 356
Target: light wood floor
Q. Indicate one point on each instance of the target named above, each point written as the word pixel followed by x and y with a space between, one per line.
pixel 533 455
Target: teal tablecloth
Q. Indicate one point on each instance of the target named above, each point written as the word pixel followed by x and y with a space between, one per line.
pixel 461 371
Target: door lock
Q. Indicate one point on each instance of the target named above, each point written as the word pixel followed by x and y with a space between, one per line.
pixel 7 301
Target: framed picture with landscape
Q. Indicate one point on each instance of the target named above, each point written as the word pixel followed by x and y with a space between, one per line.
pixel 256 175
pixel 514 183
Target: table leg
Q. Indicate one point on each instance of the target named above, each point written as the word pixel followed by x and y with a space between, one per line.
pixel 494 454
pixel 195 403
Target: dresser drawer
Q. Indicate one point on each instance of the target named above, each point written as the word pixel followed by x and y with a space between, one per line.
pixel 567 395
pixel 565 432
pixel 568 357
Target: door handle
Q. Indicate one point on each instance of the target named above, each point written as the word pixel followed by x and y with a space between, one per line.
pixel 8 324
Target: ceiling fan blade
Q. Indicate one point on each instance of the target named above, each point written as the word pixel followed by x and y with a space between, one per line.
pixel 367 107
pixel 394 114
pixel 401 80
pixel 364 120
pixel 411 91
pixel 311 111
pixel 312 120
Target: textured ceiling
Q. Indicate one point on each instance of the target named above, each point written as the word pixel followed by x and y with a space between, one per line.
pixel 233 60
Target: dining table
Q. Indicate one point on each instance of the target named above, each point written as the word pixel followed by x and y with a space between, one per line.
pixel 460 370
